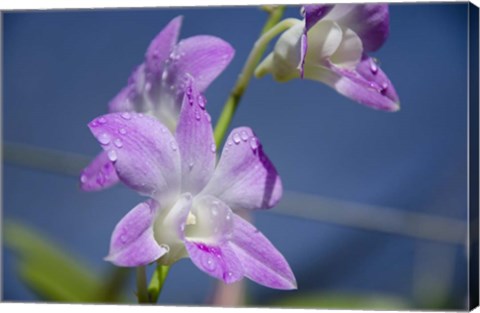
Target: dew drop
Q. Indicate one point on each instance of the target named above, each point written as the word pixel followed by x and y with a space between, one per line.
pixel 236 138
pixel 190 165
pixel 104 139
pixel 210 265
pixel 373 67
pixel 384 87
pixel 102 120
pixel 213 148
pixel 123 238
pixel 244 135
pixel 83 178
pixel 118 143
pixel 173 145
pixel 126 115
pixel 209 118
pixel 197 115
pixel 253 143
pixel 123 131
pixel 164 75
pixel 201 101
pixel 94 123
pixel 100 178
pixel 112 155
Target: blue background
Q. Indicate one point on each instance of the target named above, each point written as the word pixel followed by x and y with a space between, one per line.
pixel 61 69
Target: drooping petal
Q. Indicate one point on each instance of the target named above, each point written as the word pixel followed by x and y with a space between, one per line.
pixel 315 12
pixel 202 57
pixel 132 242
pixel 161 47
pixel 261 261
pixel 207 239
pixel 143 151
pixel 245 177
pixel 169 229
pixel 195 141
pixel 99 174
pixel 367 84
pixel 371 22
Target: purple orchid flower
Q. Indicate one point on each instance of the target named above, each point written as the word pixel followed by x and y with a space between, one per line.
pixel 331 46
pixel 156 87
pixel 192 205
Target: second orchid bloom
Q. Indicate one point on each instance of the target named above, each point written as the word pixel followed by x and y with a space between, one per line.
pixel 330 45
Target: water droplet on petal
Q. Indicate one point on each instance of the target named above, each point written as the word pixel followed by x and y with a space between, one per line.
pixel 104 139
pixel 102 120
pixel 190 165
pixel 373 67
pixel 100 178
pixel 164 75
pixel 83 178
pixel 118 143
pixel 123 238
pixel 126 115
pixel 236 138
pixel 173 145
pixel 384 87
pixel 112 155
pixel 209 118
pixel 123 131
pixel 244 135
pixel 213 148
pixel 253 143
pixel 197 115
pixel 201 101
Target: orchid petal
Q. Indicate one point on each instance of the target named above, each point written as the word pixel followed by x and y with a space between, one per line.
pixel 261 261
pixel 143 151
pixel 213 222
pixel 371 22
pixel 367 84
pixel 207 239
pixel 349 52
pixel 245 177
pixel 315 12
pixel 99 174
pixel 194 135
pixel 132 242
pixel 161 46
pixel 202 57
pixel 169 229
pixel 323 40
pixel 131 97
pixel 285 60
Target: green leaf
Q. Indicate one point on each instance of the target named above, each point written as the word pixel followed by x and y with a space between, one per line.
pixel 157 281
pixel 50 272
pixel 342 301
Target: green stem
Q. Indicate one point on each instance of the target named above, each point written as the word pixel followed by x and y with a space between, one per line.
pixel 271 29
pixel 157 281
pixel 142 293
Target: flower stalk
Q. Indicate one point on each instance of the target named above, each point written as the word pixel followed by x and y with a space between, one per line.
pixel 142 293
pixel 271 29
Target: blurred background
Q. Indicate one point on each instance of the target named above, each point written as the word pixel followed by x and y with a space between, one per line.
pixel 375 209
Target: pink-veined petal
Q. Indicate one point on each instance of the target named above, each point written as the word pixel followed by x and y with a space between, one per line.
pixel 143 151
pixel 261 261
pixel 206 239
pixel 99 174
pixel 245 178
pixel 132 242
pixel 195 140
